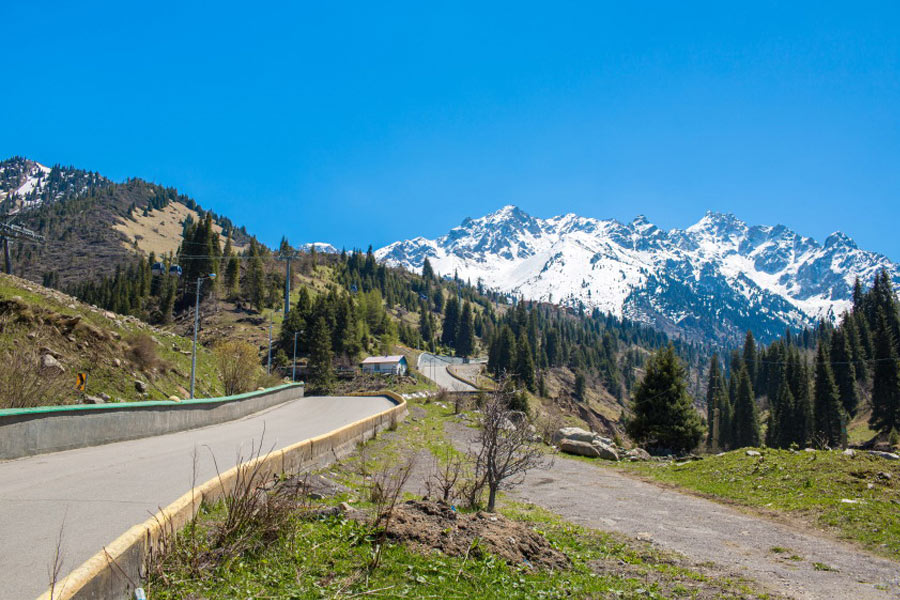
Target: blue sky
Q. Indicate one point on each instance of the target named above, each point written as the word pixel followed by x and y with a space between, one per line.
pixel 360 123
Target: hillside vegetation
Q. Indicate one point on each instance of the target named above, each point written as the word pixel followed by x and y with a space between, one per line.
pixel 47 337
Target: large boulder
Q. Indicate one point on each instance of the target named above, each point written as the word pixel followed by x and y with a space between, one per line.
pixel 579 448
pixel 575 434
pixel 605 451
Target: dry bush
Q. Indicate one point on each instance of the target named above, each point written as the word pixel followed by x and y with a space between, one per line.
pixel 446 477
pixel 386 487
pixel 238 366
pixel 271 380
pixel 504 450
pixel 142 352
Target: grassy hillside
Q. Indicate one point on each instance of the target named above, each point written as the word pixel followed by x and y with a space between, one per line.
pixel 113 350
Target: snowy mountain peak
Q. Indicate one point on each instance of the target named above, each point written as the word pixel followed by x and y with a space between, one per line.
pixel 712 281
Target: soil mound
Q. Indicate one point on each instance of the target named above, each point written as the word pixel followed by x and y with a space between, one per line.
pixel 425 525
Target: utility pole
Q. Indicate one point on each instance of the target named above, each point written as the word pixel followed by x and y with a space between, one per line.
pixel 287 258
pixel 196 327
pixel 294 365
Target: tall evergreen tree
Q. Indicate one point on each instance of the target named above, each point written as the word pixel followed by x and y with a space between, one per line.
pixel 465 337
pixel 451 322
pixel 524 362
pixel 715 398
pixel 751 359
pixel 321 371
pixel 746 417
pixel 844 369
pixel 664 415
pixel 828 414
pixel 885 379
pixel 427 270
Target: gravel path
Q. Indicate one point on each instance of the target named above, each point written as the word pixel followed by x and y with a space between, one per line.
pixel 703 530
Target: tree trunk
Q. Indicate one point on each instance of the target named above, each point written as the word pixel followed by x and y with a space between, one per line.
pixel 492 497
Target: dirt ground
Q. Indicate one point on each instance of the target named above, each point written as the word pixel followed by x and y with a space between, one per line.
pixel 706 531
pixel 436 526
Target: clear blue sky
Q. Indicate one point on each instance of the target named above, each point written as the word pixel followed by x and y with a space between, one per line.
pixel 361 123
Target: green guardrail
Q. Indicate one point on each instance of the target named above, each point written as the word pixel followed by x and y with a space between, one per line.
pixel 37 410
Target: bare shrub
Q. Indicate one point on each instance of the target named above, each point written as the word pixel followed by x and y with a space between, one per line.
pixel 386 487
pixel 445 478
pixel 504 450
pixel 238 366
pixel 385 490
pixel 142 351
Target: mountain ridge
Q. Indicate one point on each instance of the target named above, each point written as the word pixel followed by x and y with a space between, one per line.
pixel 711 281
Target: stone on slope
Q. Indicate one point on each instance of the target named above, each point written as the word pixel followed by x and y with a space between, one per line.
pixel 579 448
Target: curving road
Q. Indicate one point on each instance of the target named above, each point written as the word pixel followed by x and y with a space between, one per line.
pixel 435 368
pixel 96 494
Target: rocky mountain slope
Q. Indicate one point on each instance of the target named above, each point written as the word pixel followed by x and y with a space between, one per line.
pixel 712 281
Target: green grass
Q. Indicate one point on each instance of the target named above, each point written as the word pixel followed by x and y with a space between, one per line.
pixel 329 557
pixel 811 485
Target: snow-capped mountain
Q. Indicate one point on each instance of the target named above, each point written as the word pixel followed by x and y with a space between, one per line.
pixel 711 281
pixel 320 247
pixel 25 183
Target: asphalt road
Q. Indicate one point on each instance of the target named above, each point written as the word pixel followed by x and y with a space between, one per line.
pixel 435 368
pixel 93 495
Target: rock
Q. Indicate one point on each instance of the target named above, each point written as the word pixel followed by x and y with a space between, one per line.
pixel 885 475
pixel 51 365
pixel 117 362
pixel 105 397
pixel 637 454
pixel 345 507
pixel 110 315
pixel 886 455
pixel 174 398
pixel 94 400
pixel 32 335
pixel 576 434
pixel 507 425
pixel 849 452
pixel 579 448
pixel 752 453
pixel 140 386
pixel 606 452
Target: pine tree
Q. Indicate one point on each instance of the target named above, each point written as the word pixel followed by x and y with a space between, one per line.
pixel 746 418
pixel 427 270
pixel 664 415
pixel 524 362
pixel 802 423
pixel 828 414
pixel 321 373
pixel 503 353
pixel 426 325
pixel 715 392
pixel 751 359
pixel 451 322
pixel 780 433
pixel 465 337
pixel 885 379
pixel 580 385
pixel 843 367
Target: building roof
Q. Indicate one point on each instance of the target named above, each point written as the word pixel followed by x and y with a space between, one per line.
pixel 373 360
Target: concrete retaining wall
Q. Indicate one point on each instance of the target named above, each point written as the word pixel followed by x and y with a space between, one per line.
pixel 113 572
pixel 29 431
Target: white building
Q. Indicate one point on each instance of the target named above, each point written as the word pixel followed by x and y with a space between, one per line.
pixel 394 365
